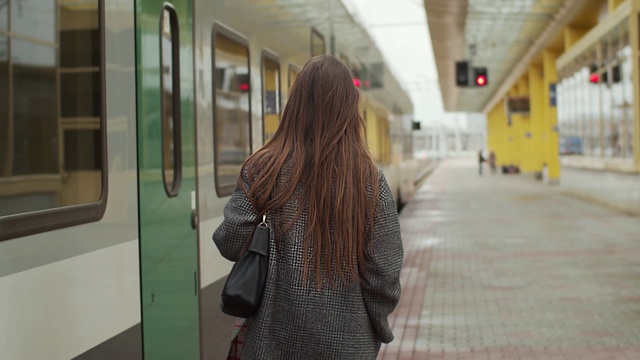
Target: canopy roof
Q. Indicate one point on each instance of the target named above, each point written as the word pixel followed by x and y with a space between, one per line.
pixel 505 36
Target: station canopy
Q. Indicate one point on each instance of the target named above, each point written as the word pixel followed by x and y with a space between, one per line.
pixel 505 36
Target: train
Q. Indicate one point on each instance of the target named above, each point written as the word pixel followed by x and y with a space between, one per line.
pixel 123 128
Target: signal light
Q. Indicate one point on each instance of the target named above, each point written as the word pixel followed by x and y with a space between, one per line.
pixel 481 80
pixel 356 82
pixel 462 73
pixel 480 76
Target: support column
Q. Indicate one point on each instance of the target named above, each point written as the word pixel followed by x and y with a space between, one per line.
pixel 502 143
pixel 550 117
pixel 512 140
pixel 536 115
pixel 524 129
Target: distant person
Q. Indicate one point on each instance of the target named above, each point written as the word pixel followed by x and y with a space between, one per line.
pixel 492 161
pixel 480 161
pixel 335 247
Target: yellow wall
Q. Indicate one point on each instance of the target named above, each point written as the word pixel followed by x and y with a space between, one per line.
pixel 550 116
pixel 536 115
pixel 523 130
pixel 497 134
pixel 523 143
pixel 512 146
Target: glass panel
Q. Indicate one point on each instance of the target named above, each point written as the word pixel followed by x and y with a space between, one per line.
pixel 4 18
pixel 594 119
pixel 170 101
pixel 581 79
pixel 584 110
pixel 627 83
pixel 562 120
pixel 76 144
pixel 80 94
pixel 232 117
pixel 317 43
pixel 80 48
pixel 50 133
pixel 38 56
pixel 270 97
pixel 35 126
pixel 34 19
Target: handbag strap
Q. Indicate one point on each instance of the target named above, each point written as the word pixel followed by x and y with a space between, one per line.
pixel 260 239
pixel 264 221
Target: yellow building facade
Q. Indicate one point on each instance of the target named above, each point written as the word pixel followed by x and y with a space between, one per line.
pixel 576 102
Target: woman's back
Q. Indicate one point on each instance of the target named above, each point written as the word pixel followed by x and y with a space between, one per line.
pixel 335 250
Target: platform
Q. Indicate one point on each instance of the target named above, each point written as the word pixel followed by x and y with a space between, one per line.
pixel 506 267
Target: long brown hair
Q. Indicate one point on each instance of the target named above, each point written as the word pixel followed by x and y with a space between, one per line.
pixel 321 140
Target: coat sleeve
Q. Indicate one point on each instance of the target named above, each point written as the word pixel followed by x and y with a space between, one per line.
pixel 238 224
pixel 381 281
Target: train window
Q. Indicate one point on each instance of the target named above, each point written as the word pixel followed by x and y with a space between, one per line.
pixel 52 138
pixel 4 22
pixel 232 119
pixel 317 43
pixel 270 95
pixel 170 84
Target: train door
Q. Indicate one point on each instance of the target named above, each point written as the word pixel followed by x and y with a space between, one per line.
pixel 167 180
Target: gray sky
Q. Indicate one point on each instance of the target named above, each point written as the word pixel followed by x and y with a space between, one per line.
pixel 399 28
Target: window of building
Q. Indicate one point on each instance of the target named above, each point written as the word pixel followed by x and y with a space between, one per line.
pixel 52 139
pixel 232 118
pixel 270 95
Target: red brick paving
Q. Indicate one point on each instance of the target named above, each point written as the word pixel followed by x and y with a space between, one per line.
pixel 505 268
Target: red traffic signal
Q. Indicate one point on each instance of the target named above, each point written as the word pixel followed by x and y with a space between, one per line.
pixel 481 80
pixel 480 76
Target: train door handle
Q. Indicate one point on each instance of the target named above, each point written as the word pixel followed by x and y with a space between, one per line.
pixel 194 220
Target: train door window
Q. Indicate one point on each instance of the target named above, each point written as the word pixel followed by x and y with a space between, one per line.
pixel 318 46
pixel 170 85
pixel 270 95
pixel 232 118
pixel 52 138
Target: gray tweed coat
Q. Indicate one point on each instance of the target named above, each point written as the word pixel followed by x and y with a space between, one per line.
pixel 298 321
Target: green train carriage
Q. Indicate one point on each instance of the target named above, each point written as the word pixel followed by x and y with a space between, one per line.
pixel 122 130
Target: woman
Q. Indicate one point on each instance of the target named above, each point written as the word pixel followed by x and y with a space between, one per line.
pixel 335 248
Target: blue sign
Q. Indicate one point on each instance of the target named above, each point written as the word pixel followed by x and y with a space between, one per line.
pixel 552 94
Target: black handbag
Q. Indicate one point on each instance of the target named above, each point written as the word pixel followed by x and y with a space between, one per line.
pixel 243 290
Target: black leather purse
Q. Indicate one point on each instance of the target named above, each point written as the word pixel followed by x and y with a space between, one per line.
pixel 245 284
